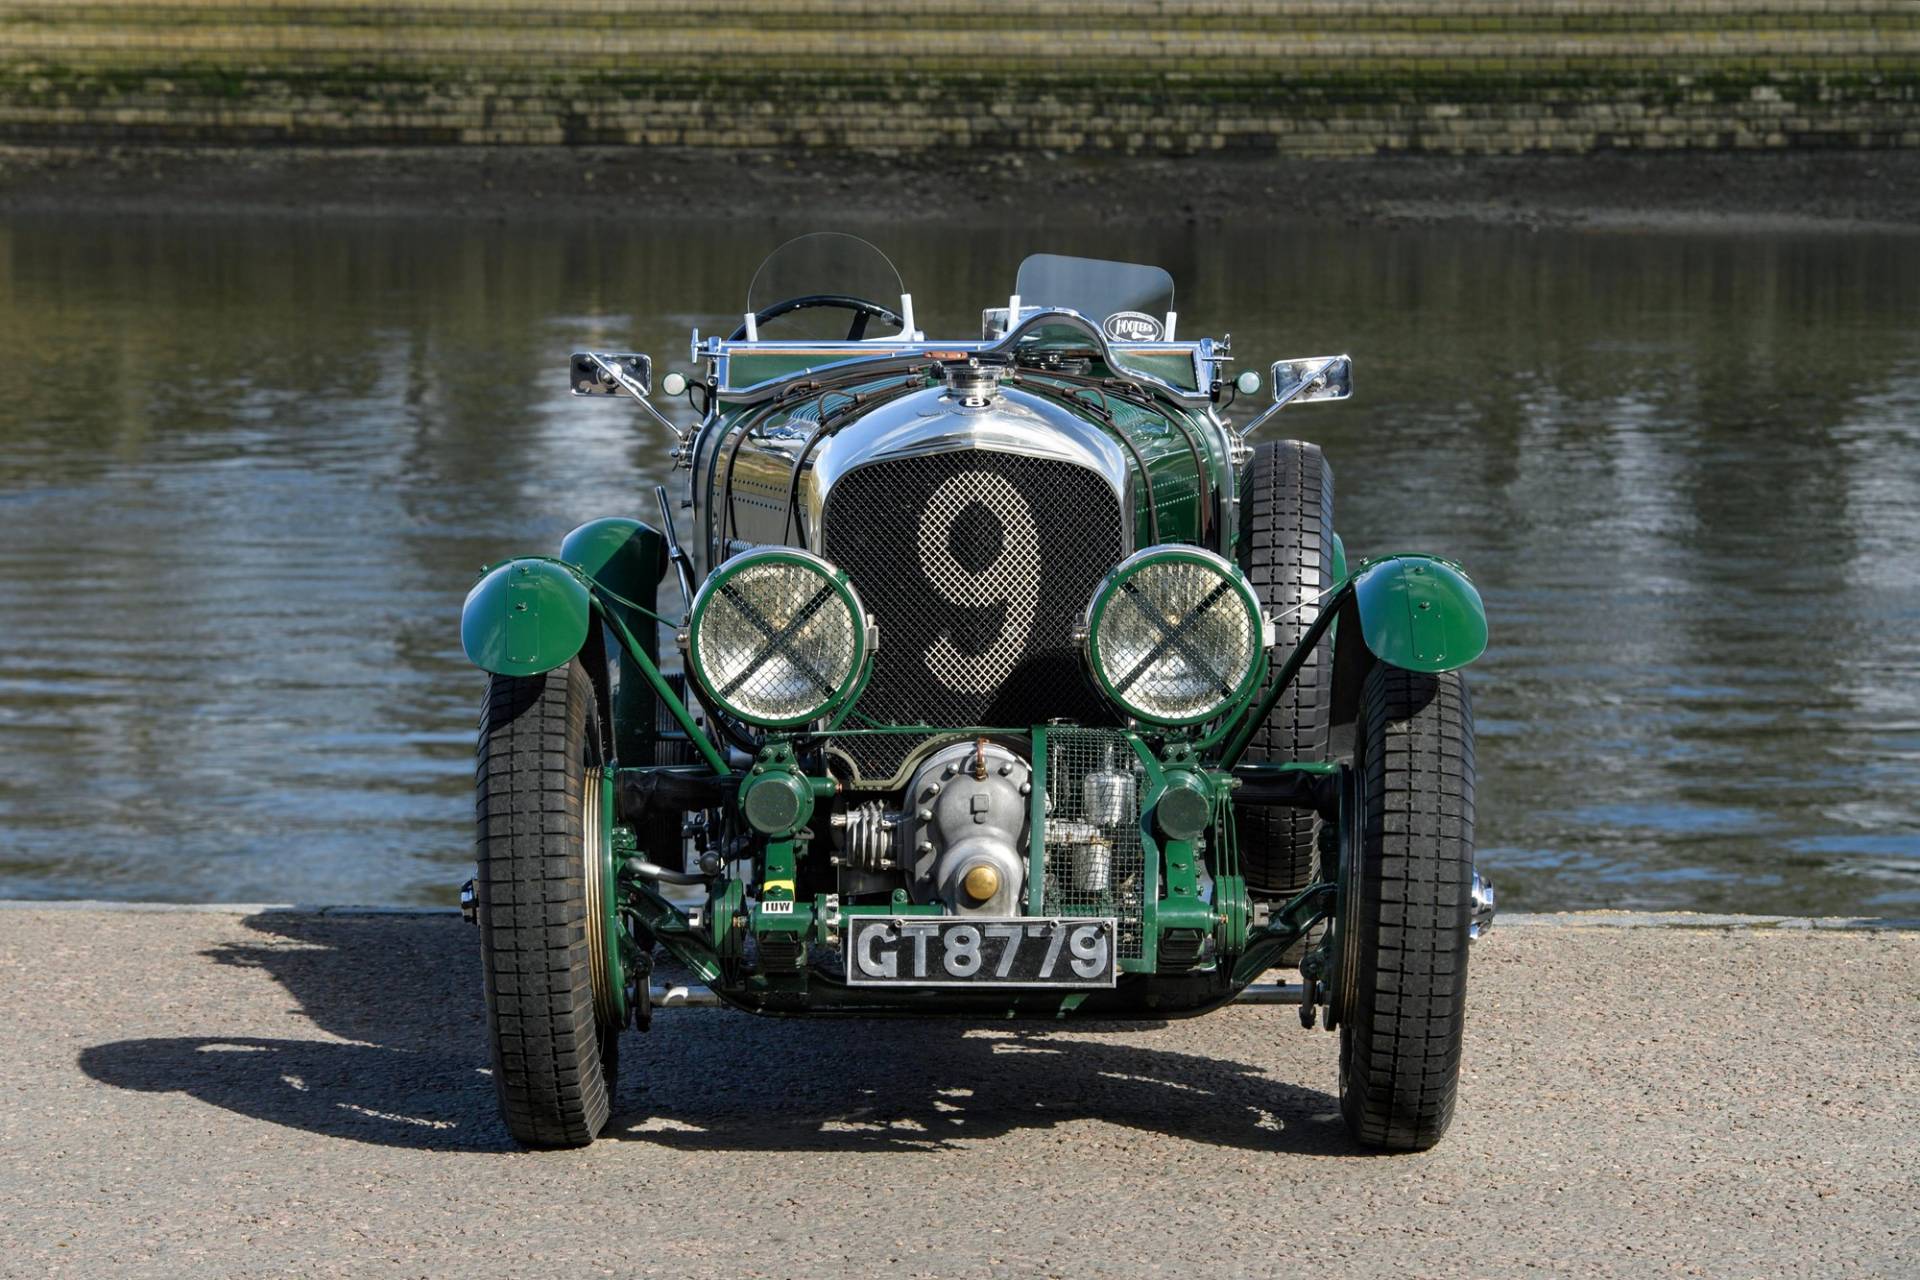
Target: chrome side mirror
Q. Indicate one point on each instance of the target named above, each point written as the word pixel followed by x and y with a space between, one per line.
pixel 1305 380
pixel 610 373
pixel 1314 378
pixel 604 373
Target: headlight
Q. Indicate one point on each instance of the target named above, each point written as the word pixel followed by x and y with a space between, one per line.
pixel 777 637
pixel 1173 635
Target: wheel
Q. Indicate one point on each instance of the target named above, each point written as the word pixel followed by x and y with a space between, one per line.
pixel 1286 551
pixel 543 889
pixel 1406 881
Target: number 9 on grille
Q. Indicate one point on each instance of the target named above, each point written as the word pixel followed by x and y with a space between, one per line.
pixel 777 638
pixel 1174 636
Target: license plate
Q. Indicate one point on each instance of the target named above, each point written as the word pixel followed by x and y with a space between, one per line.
pixel 958 951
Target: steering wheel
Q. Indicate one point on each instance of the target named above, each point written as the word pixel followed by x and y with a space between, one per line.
pixel 862 309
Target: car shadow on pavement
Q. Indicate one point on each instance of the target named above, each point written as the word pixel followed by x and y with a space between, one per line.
pixel 726 1081
pixel 360 1092
pixel 404 1063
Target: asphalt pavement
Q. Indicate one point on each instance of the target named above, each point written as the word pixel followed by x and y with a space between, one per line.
pixel 277 1092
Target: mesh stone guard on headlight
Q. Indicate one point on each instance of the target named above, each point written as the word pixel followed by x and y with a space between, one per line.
pixel 777 637
pixel 1174 636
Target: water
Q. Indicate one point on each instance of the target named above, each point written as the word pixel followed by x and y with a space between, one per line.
pixel 248 472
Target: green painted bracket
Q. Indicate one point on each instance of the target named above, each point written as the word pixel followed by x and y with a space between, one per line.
pixel 662 922
pixel 1181 906
pixel 1286 926
pixel 1419 613
pixel 779 910
pixel 675 707
pixel 525 617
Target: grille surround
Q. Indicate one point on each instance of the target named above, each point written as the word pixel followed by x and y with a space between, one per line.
pixel 978 564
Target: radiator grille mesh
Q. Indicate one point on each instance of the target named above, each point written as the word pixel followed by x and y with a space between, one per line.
pixel 977 565
pixel 1095 864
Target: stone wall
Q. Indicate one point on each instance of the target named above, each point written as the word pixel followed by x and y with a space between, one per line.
pixel 1306 77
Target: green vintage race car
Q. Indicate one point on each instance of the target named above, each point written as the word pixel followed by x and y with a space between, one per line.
pixel 1014 681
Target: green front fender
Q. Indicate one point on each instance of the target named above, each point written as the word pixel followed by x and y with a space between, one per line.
pixel 1419 613
pixel 525 617
pixel 628 556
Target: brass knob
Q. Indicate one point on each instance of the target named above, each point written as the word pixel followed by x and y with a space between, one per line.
pixel 981 882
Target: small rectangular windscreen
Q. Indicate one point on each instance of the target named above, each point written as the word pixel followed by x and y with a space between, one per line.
pixel 1127 300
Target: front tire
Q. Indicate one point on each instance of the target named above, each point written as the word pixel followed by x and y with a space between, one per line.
pixel 1405 904
pixel 555 1046
pixel 1286 551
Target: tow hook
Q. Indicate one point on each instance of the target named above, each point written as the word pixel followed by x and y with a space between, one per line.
pixel 469 903
pixel 1482 917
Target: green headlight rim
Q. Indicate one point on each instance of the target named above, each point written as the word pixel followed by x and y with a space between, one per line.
pixel 1125 570
pixel 829 573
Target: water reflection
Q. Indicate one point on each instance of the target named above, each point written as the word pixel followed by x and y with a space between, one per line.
pixel 246 474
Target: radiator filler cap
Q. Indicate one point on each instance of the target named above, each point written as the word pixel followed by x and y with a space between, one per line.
pixel 973 384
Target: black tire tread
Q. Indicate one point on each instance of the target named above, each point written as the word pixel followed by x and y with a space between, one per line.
pixel 550 1068
pixel 1286 550
pixel 1400 1047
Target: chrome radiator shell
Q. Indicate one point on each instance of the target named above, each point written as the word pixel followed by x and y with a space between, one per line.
pixel 974 534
